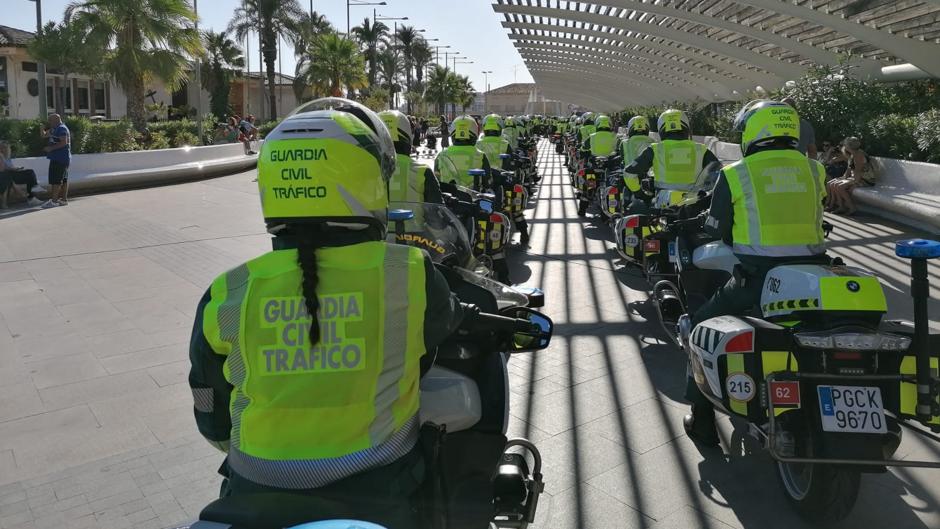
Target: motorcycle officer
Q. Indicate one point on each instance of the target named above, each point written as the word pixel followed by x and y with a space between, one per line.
pixel 463 155
pixel 676 160
pixel 769 208
pixel 306 360
pixel 492 144
pixel 603 142
pixel 638 139
pixel 412 181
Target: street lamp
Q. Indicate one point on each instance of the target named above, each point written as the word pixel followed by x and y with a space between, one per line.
pixel 43 104
pixel 358 3
pixel 437 52
pixel 486 86
pixel 461 62
pixel 447 59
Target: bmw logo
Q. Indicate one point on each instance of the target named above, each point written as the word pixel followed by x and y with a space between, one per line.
pixel 853 286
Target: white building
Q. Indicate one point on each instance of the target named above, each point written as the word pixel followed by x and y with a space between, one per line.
pixel 83 96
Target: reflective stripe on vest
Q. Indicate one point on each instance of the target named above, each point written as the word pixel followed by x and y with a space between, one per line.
pixel 634 146
pixel 677 163
pixel 302 416
pixel 777 198
pixel 603 143
pixel 464 158
pixel 492 147
pixel 407 184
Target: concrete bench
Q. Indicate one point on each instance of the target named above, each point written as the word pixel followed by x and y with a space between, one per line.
pixel 907 192
pixel 92 173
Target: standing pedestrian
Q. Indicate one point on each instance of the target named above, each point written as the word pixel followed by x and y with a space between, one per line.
pixel 59 154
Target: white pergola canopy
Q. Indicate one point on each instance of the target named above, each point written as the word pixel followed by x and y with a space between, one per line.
pixel 608 54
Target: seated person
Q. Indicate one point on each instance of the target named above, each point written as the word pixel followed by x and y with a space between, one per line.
pixel 11 174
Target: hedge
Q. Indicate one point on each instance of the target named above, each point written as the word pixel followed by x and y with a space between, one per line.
pixel 895 120
pixel 100 137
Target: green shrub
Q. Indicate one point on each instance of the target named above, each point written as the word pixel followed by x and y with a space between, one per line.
pixel 158 140
pixel 112 137
pixel 265 128
pixel 185 139
pixel 927 135
pixel 79 128
pixel 892 136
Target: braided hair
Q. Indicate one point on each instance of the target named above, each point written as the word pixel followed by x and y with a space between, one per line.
pixel 308 242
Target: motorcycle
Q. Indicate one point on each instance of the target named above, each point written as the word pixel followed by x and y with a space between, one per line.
pixel 822 379
pixel 559 143
pixel 639 238
pixel 591 176
pixel 476 476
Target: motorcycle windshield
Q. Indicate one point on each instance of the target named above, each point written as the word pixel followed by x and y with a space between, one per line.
pixel 433 228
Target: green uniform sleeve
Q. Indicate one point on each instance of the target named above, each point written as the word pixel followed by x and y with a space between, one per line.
pixel 640 166
pixel 211 392
pixel 443 313
pixel 721 214
pixel 432 188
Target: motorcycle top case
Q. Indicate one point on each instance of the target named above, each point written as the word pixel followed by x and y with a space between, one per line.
pixel 733 362
pixel 792 289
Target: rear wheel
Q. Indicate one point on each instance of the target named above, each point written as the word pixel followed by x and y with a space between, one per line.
pixel 582 207
pixel 819 493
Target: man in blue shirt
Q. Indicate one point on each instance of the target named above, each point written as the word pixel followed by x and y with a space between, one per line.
pixel 59 153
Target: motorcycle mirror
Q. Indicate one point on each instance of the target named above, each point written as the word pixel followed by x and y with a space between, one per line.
pixel 534 339
pixel 486 205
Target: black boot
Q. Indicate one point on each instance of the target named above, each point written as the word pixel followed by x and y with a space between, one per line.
pixel 700 425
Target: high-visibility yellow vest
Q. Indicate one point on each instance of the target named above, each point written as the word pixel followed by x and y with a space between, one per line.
pixel 407 184
pixel 492 147
pixel 603 143
pixel 462 158
pixel 677 163
pixel 585 132
pixel 777 197
pixel 303 416
pixel 633 147
pixel 511 135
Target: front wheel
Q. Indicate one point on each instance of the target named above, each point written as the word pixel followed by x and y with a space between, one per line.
pixel 820 493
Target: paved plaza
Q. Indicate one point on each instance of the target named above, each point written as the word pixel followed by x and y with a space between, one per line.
pixel 96 429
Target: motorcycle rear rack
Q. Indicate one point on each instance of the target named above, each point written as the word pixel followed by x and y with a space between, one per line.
pixel 538 486
pixel 771 433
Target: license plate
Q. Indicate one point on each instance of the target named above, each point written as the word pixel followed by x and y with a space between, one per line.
pixel 517 201
pixel 854 409
pixel 785 394
pixel 673 252
pixel 651 245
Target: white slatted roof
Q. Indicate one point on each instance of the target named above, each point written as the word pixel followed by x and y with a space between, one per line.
pixel 607 54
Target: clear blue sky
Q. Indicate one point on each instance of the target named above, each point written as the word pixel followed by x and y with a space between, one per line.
pixel 468 26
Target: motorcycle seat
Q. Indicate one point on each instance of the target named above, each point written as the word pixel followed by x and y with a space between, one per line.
pixel 274 510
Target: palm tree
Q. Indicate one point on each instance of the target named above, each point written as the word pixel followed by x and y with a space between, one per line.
pixel 422 56
pixel 442 87
pixel 464 93
pixel 305 29
pixel 150 39
pixel 267 18
pixel 390 64
pixel 338 64
pixel 370 35
pixel 406 38
pixel 66 49
pixel 223 60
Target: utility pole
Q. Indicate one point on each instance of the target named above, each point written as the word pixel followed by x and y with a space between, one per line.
pixel 43 104
pixel 199 121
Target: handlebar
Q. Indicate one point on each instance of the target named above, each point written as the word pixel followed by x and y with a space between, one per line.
pixel 475 321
